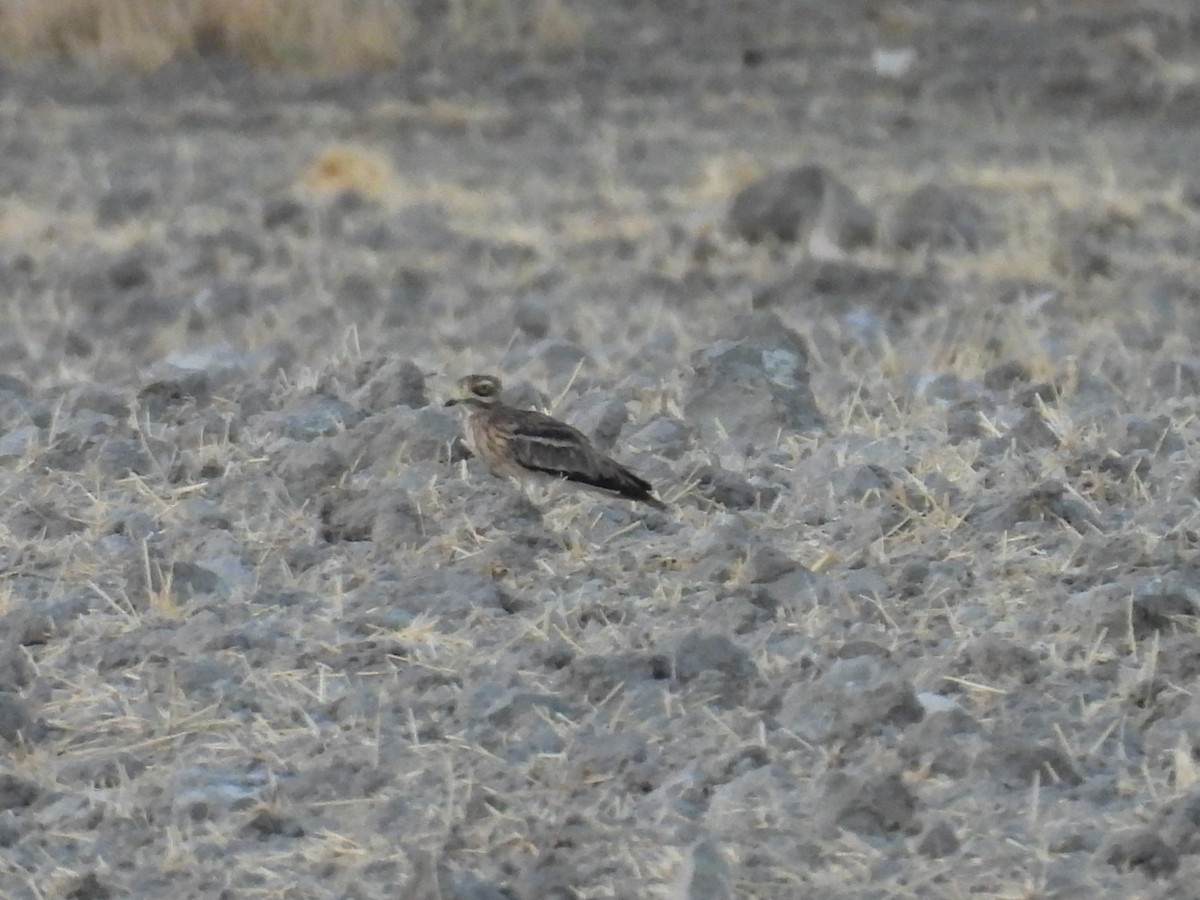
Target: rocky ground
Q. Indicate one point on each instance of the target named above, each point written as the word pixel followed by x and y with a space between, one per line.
pixel 896 305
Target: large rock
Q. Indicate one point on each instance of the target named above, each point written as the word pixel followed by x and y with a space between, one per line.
pixel 751 389
pixel 943 218
pixel 801 204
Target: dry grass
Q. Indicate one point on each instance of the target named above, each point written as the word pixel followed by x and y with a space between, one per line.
pixel 350 168
pixel 146 34
pixel 320 36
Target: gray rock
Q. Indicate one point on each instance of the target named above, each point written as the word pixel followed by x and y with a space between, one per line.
pixel 947 742
pixel 192 579
pixel 600 415
pixel 1049 501
pixel 943 386
pixel 966 420
pixel 1006 375
pixel 223 365
pixel 359 295
pixel 1176 377
pixel 1017 760
pixel 122 203
pixel 595 676
pixel 308 418
pixel 789 592
pixel 220 301
pixel 522 394
pixel 215 252
pixel 433 879
pixel 730 489
pixel 859 696
pixel 498 253
pixel 109 770
pixel 1031 432
pixel 17 410
pixel 88 887
pixel 165 397
pixel 270 823
pixel 865 483
pixel 1180 822
pixel 750 392
pixel 941 218
pixel 560 360
pixel 1038 393
pixel 402 434
pixel 467 886
pixel 309 467
pixel 201 793
pixel 868 299
pixel 1157 610
pixel 1157 435
pixel 206 677
pixel 1083 247
pixel 17 724
pixel 16 792
pixel 706 874
pixel 872 805
pixel 532 317
pixel 280 211
pixel 121 457
pixel 1142 849
pixel 408 296
pixel 448 593
pixel 19 444
pixel 699 652
pixel 1174 725
pixel 389 518
pixel 97 399
pixel 626 754
pixel 129 271
pixel 496 501
pixel 663 436
pixel 794 204
pixel 994 658
pixel 386 383
pixel 379 237
pixel 938 840
pixel 720 548
pixel 768 564
pixel 15 669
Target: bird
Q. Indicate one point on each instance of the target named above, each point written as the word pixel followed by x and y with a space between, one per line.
pixel 519 443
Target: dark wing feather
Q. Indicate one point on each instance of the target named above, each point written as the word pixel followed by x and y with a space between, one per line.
pixel 546 445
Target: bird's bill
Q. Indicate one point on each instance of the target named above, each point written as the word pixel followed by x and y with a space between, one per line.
pixel 453 401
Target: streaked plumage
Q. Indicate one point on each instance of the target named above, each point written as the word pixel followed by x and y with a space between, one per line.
pixel 522 442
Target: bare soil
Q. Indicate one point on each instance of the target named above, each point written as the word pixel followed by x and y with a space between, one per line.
pixel 921 619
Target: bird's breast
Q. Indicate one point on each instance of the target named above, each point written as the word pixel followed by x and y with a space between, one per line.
pixel 490 444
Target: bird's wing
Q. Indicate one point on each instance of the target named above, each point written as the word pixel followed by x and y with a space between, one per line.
pixel 538 442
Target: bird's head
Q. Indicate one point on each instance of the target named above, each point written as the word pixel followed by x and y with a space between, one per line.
pixel 476 390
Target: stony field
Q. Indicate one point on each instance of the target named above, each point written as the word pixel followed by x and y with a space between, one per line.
pixel 896 304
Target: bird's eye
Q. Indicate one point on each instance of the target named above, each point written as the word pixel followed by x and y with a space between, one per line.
pixel 485 389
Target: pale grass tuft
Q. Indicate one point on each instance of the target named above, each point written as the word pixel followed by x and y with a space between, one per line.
pixel 143 35
pixel 350 167
pixel 721 177
pixel 1184 765
pixel 314 35
pixel 556 27
pixel 319 36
